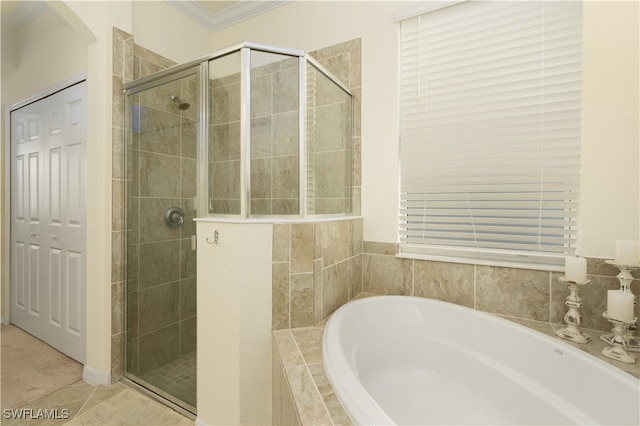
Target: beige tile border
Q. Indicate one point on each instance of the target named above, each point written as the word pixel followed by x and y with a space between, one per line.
pixel 300 353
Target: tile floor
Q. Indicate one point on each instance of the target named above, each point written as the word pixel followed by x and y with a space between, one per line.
pixel 84 404
pixel 178 378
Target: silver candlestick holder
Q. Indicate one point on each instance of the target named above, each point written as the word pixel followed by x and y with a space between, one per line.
pixel 573 318
pixel 619 343
pixel 625 278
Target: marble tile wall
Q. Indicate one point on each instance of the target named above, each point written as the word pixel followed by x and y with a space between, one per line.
pixel 333 136
pixel 275 141
pixel 317 267
pixel 516 293
pixel 224 141
pixel 123 66
pixel 344 60
pixel 329 145
pixel 160 265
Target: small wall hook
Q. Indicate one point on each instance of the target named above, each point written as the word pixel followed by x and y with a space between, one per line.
pixel 216 238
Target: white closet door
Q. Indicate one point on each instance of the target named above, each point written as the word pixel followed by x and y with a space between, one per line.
pixel 48 220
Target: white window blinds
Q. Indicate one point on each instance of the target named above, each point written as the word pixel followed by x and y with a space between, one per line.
pixel 490 130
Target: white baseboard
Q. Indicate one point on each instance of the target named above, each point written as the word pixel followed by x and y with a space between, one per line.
pixel 96 377
pixel 200 423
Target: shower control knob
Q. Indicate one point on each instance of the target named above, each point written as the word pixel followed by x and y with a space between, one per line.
pixel 174 217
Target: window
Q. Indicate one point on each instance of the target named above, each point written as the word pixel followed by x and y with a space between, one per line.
pixel 490 95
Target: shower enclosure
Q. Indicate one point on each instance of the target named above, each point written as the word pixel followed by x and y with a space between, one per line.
pixel 249 132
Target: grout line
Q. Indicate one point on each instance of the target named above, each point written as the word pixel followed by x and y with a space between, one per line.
pixel 550 295
pixel 475 296
pixel 86 401
pixel 306 366
pixel 315 385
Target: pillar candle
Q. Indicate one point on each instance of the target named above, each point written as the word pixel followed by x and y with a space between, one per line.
pixel 620 305
pixel 575 269
pixel 627 252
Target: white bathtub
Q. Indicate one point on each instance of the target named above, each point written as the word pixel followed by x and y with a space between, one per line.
pixel 411 360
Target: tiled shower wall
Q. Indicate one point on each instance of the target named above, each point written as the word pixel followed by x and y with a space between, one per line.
pixel 224 144
pixel 511 292
pixel 172 302
pixel 329 142
pixel 123 59
pixel 161 264
pixel 131 62
pixel 317 267
pixel 274 140
pixel 344 60
pixel 275 136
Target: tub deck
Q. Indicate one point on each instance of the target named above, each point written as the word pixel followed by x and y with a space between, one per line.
pixel 313 399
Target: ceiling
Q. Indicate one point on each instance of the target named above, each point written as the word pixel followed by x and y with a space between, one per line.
pixel 212 14
pixel 217 14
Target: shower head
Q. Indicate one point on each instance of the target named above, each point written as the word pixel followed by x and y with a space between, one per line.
pixel 181 105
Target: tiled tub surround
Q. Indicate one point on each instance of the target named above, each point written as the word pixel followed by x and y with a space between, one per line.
pixel 535 299
pixel 303 395
pixel 518 293
pixel 317 267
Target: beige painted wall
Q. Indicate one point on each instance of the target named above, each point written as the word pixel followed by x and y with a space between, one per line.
pixel 234 323
pixel 161 28
pixel 610 199
pixel 611 120
pixel 49 43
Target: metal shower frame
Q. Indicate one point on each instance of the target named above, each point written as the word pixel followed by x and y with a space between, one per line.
pixel 200 68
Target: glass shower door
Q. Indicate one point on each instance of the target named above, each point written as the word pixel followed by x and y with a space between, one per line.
pixel 161 262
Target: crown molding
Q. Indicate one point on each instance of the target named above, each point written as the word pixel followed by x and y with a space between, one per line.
pixel 228 16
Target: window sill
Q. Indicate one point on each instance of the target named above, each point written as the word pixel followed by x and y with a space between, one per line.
pixel 539 262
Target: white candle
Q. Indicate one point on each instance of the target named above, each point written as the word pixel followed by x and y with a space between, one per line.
pixel 575 269
pixel 627 252
pixel 620 305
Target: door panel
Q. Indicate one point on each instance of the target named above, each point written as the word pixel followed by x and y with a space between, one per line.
pixel 48 219
pixel 55 284
pixel 19 267
pixel 75 293
pixel 34 280
pixel 54 196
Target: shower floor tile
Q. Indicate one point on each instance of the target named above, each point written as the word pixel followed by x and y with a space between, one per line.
pixel 177 378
